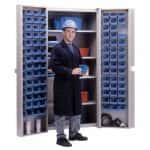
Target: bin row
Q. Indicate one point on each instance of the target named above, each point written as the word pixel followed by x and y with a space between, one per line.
pixel 35 74
pixel 117 79
pixel 33 83
pixel 34 12
pixel 114 107
pixel 115 101
pixel 34 42
pixel 34 20
pixel 35 59
pixel 35 112
pixel 34 35
pixel 34 90
pixel 114 93
pixel 114 86
pixel 114 71
pixel 34 67
pixel 34 97
pixel 35 104
pixel 34 28
pixel 34 51
pixel 115 18
pixel 106 50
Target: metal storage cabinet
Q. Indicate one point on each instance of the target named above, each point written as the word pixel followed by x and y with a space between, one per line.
pixel 109 35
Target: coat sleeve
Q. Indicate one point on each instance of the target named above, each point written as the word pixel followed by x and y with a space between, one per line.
pixel 57 63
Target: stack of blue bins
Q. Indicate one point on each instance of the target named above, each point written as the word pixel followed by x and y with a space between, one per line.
pixel 34 62
pixel 114 60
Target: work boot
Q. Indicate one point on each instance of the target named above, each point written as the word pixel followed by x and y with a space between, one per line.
pixel 78 137
pixel 63 142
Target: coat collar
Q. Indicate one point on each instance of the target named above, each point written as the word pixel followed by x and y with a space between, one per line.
pixel 64 45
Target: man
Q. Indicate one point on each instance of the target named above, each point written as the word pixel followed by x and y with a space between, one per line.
pixel 65 63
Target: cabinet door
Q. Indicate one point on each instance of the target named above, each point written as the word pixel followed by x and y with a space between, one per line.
pixel 116 85
pixel 31 70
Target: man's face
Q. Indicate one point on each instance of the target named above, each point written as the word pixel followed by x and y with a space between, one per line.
pixel 69 34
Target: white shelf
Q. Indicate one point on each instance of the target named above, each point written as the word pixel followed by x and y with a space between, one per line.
pixel 88 103
pixel 87 77
pixel 78 31
pixel 89 57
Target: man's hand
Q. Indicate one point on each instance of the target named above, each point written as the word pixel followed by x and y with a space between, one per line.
pixel 76 71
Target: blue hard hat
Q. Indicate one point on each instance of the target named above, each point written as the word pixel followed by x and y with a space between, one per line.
pixel 69 24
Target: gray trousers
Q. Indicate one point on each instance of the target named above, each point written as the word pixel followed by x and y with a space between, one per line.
pixel 74 125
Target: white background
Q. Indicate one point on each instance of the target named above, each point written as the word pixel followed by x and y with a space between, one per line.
pixel 107 139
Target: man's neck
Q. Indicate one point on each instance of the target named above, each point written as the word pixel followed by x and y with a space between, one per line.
pixel 67 42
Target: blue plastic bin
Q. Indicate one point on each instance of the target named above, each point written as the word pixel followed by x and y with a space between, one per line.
pixel 113 71
pixel 113 79
pixel 121 93
pixel 27 27
pixel 36 73
pixel 28 91
pixel 122 57
pixel 43 35
pixel 36 66
pixel 42 82
pixel 105 71
pixel 113 28
pixel 27 43
pixel 122 79
pixel 28 19
pixel 28 83
pixel 27 35
pixel 105 64
pixel 43 66
pixel 42 27
pixel 27 12
pixel 106 28
pixel 105 100
pixel 113 35
pixel 113 101
pixel 36 83
pixel 122 18
pixel 113 42
pixel 42 42
pixel 105 86
pixel 42 20
pixel 36 42
pixel 36 27
pixel 122 65
pixel 36 104
pixel 122 50
pixel 113 64
pixel 105 93
pixel 28 67
pixel 122 71
pixel 28 51
pixel 113 58
pixel 113 93
pixel 36 20
pixel 122 101
pixel 36 12
pixel 28 98
pixel 122 86
pixel 36 35
pixel 106 79
pixel 28 59
pixel 28 105
pixel 113 50
pixel 113 20
pixel 28 74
